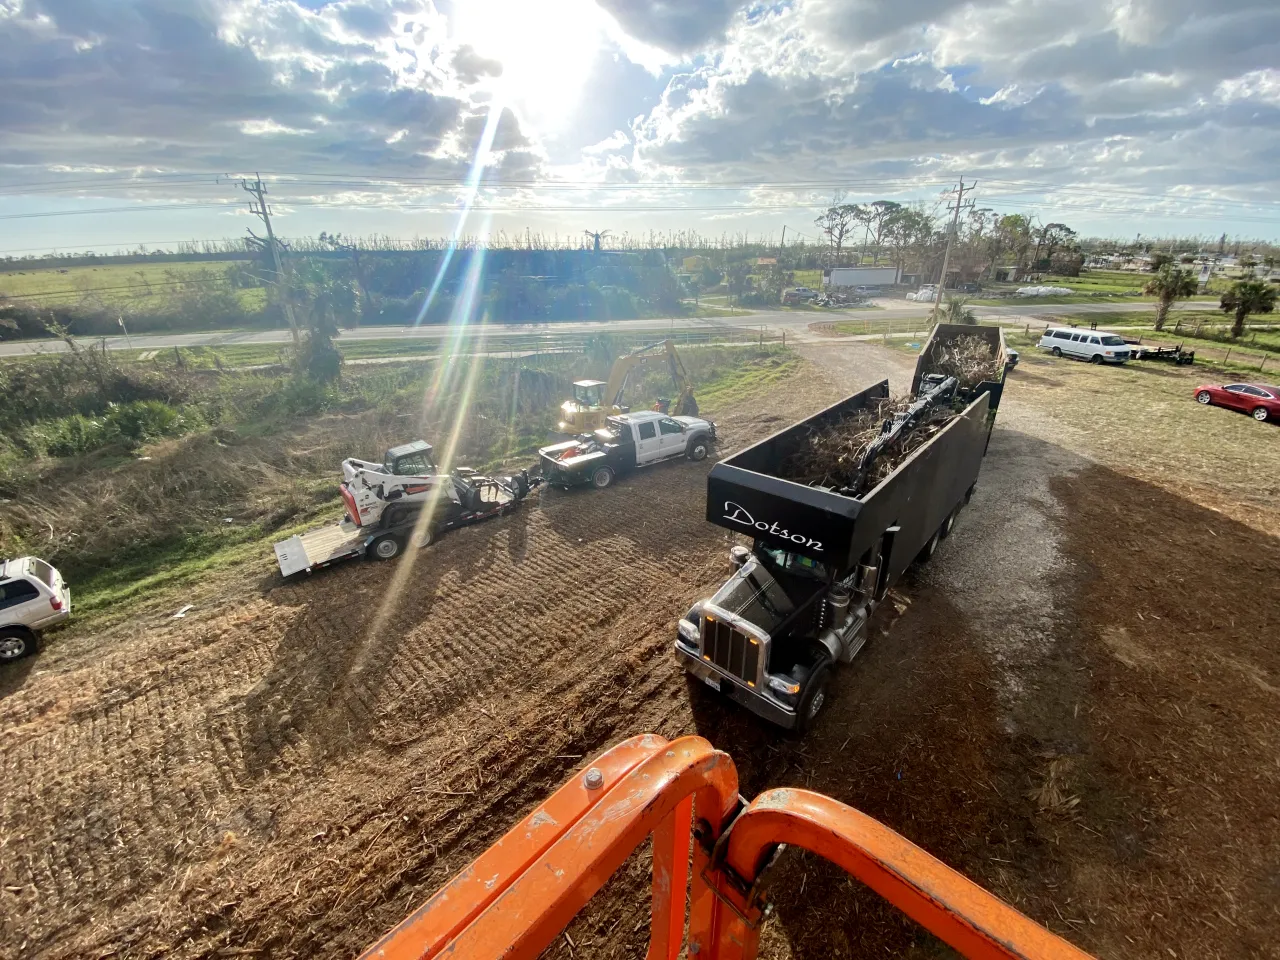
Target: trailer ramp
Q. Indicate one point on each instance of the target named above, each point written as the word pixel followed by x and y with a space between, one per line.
pixel 319 548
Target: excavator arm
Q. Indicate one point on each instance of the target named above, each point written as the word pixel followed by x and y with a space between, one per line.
pixel 620 377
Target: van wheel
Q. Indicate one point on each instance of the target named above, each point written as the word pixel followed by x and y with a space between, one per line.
pixel 16 643
pixel 1056 351
pixel 602 477
pixel 814 699
pixel 1095 359
pixel 385 547
pixel 698 451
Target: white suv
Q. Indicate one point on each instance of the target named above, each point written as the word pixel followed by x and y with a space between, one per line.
pixel 1096 346
pixel 32 597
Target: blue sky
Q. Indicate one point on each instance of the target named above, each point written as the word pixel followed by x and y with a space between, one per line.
pixel 123 119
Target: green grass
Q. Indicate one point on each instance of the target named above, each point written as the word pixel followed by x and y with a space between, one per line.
pixel 133 284
pixel 879 325
pixel 1092 286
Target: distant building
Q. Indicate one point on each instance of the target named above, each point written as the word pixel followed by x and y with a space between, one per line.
pixel 766 261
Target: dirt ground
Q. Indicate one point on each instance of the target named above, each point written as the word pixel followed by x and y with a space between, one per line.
pixel 1075 703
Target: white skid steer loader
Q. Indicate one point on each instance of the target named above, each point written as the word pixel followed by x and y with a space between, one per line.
pixel 384 502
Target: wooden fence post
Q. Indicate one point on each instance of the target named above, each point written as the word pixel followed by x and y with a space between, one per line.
pixel 1228 356
pixel 1263 363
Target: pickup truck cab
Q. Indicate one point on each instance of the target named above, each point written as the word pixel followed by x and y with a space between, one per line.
pixel 626 442
pixel 33 596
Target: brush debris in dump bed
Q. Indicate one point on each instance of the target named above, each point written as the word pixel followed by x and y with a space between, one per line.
pixel 824 554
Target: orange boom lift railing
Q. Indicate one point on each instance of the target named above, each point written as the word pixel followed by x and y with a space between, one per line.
pixel 522 892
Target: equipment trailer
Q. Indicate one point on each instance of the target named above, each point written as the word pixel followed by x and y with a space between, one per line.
pixel 823 557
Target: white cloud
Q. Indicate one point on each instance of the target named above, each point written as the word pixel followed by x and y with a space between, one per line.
pixel 1260 85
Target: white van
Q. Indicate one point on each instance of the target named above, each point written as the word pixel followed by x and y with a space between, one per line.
pixel 1096 346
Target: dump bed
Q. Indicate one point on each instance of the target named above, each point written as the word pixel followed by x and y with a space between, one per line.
pixel 945 334
pixel 749 493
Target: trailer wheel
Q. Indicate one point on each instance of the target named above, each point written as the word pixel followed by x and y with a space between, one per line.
pixel 602 477
pixel 16 643
pixel 423 538
pixel 968 494
pixel 698 451
pixel 815 697
pixel 385 547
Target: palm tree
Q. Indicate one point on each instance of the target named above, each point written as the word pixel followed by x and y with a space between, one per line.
pixel 957 311
pixel 1169 284
pixel 1246 297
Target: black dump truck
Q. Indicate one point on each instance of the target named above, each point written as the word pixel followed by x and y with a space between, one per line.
pixel 825 554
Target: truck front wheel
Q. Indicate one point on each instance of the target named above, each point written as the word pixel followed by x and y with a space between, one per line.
pixel 698 449
pixel 814 699
pixel 602 477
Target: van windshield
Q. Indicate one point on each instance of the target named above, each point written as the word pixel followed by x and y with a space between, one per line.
pixel 1113 341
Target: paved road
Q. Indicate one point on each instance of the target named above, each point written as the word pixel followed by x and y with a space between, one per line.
pixel 795 323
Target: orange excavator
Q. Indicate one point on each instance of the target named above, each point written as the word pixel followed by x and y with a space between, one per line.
pixel 518 896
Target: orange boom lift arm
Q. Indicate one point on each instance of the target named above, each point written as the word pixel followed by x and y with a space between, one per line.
pixel 520 894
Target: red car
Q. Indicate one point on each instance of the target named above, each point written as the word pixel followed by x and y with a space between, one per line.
pixel 1261 401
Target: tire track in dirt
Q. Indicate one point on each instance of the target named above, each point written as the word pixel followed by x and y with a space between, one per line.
pixel 265 776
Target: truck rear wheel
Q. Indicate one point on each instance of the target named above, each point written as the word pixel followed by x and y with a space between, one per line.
pixel 928 550
pixel 814 699
pixel 385 547
pixel 16 643
pixel 602 477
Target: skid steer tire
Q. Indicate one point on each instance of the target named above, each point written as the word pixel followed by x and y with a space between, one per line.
pixel 602 477
pixel 385 547
pixel 394 516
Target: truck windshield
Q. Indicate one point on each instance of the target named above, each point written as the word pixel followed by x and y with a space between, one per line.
pixel 794 564
pixel 754 595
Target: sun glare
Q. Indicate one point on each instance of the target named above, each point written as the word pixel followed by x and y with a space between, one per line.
pixel 546 51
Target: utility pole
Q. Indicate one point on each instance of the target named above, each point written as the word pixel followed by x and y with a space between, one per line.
pixel 257 189
pixel 783 242
pixel 946 256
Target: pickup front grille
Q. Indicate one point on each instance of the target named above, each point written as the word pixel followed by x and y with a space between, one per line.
pixel 731 650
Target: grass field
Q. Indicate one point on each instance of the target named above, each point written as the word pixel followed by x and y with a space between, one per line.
pixel 132 284
pixel 1093 286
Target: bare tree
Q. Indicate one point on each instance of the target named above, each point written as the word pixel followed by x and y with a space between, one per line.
pixel 836 223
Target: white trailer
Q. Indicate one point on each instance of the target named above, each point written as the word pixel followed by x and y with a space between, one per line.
pixel 860 277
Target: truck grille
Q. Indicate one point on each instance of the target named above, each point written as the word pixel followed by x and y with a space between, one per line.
pixel 731 650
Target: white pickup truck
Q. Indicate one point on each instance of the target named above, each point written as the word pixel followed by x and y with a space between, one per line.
pixel 627 441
